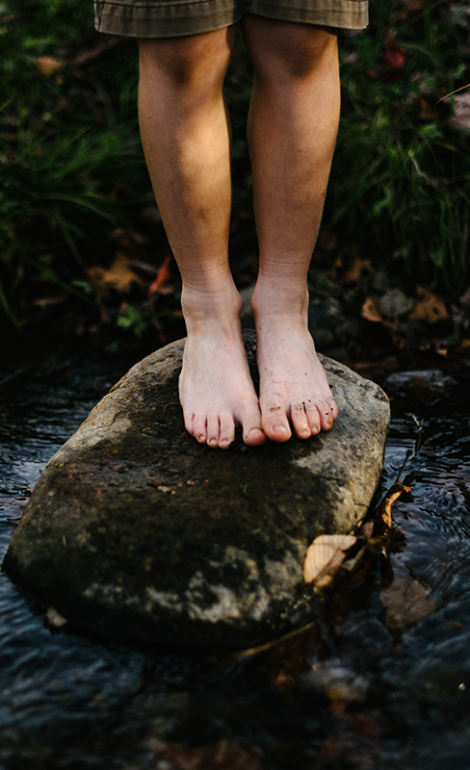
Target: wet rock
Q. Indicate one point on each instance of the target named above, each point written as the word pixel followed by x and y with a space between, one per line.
pixel 395 303
pixel 138 532
pixel 326 322
pixel 423 385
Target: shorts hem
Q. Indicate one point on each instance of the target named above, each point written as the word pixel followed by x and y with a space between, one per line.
pixel 343 15
pixel 150 21
pixel 144 19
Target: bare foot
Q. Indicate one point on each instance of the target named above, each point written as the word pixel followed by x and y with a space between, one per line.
pixel 293 384
pixel 215 386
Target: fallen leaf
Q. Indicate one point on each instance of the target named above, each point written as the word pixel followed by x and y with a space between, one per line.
pixel 47 65
pixel 324 557
pixel 428 308
pixel 355 268
pixel 54 618
pixel 371 312
pixel 407 601
pixel 162 276
pixel 119 276
pixel 384 511
pixel 428 111
pixel 48 301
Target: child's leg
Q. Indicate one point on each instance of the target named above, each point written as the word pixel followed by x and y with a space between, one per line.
pixel 186 141
pixel 292 131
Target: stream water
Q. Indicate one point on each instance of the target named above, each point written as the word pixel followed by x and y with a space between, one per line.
pixel 383 681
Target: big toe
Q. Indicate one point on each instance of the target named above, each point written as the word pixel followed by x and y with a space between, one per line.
pixel 275 424
pixel 253 434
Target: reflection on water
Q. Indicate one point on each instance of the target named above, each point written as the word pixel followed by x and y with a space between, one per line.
pixel 382 679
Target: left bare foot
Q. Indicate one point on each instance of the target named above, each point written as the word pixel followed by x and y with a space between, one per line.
pixel 293 385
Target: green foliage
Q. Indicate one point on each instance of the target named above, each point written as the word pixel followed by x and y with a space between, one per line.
pixel 400 184
pixel 135 319
pixel 71 163
pixel 72 169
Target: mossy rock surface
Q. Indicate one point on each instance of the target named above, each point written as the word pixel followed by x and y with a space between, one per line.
pixel 140 533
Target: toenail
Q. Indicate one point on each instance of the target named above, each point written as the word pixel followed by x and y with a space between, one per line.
pixel 280 429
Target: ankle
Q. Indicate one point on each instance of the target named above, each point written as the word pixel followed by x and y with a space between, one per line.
pixel 211 308
pixel 271 299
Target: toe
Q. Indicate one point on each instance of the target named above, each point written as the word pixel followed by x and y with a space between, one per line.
pixel 326 414
pixel 333 407
pixel 254 437
pixel 188 421
pixel 313 418
pixel 300 421
pixel 250 418
pixel 275 424
pixel 213 430
pixel 199 429
pixel 227 430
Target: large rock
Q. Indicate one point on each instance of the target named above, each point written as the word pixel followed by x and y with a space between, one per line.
pixel 138 532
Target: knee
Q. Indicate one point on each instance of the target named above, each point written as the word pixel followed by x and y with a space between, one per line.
pixel 302 55
pixel 190 61
pixel 285 49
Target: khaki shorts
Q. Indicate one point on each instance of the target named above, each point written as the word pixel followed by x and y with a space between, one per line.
pixel 174 18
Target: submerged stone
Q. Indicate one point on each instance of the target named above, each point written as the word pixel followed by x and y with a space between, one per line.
pixel 136 531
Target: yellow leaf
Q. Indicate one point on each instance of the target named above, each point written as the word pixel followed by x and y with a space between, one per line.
pixel 47 65
pixel 54 618
pixel 324 557
pixel 384 511
pixel 371 312
pixel 429 308
pixel 119 276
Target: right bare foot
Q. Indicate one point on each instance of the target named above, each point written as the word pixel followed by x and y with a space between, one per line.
pixel 215 386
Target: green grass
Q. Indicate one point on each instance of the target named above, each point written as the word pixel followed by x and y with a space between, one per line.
pixel 72 169
pixel 400 185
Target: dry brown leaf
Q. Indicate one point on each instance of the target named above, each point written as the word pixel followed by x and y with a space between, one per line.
pixel 119 276
pixel 429 308
pixel 406 601
pixel 428 111
pixel 371 312
pixel 384 511
pixel 324 557
pixel 162 276
pixel 47 65
pixel 355 268
pixel 54 618
pixel 45 302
